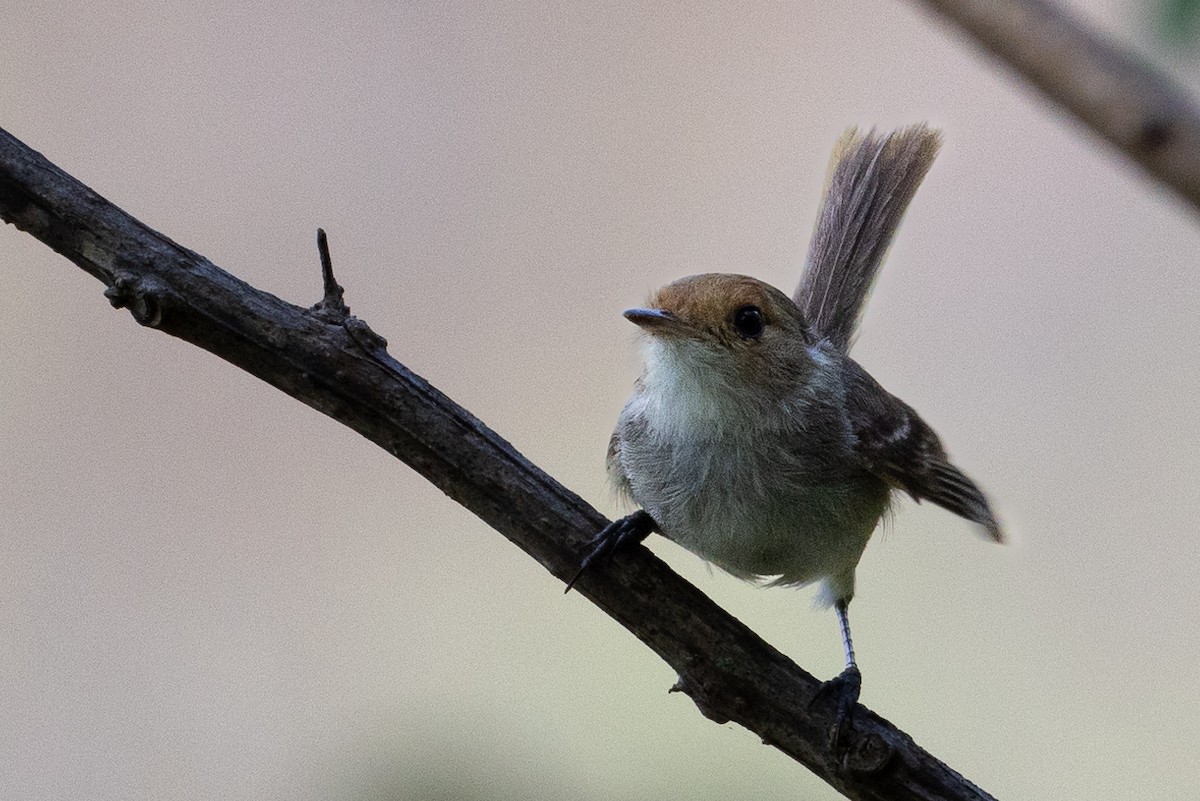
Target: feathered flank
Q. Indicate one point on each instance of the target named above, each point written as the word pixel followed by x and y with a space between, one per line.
pixel 871 181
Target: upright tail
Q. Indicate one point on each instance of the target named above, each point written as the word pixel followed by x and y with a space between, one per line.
pixel 871 180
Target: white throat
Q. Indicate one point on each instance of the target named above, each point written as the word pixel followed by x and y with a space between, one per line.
pixel 687 394
pixel 690 392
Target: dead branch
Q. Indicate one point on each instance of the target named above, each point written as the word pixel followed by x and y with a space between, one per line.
pixel 335 363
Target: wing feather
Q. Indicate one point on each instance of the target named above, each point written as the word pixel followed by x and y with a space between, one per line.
pixel 894 443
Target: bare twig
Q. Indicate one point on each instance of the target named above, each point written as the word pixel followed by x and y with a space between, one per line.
pixel 335 364
pixel 331 308
pixel 1121 97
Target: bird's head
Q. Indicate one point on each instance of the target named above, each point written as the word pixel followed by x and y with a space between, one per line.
pixel 726 334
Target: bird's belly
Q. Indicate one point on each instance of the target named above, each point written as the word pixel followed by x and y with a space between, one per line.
pixel 795 525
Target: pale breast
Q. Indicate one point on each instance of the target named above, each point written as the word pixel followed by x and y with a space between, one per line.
pixel 755 507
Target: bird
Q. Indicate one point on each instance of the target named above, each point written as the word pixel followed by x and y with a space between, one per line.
pixel 753 439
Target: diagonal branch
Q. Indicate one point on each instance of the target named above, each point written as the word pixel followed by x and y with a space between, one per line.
pixel 1126 100
pixel 336 364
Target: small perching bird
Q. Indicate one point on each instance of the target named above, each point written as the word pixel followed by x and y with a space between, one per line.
pixel 752 438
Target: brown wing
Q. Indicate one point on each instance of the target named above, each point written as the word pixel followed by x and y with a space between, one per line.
pixel 895 444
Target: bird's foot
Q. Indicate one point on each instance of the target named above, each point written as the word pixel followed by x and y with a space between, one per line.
pixel 844 688
pixel 622 533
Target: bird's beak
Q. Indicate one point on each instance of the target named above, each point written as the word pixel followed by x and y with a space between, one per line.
pixel 653 320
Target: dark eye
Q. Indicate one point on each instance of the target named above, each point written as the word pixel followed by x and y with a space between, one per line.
pixel 748 321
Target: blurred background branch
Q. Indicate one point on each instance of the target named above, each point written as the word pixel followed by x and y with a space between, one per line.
pixel 1123 98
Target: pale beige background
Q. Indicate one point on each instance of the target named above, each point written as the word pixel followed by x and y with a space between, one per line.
pixel 209 591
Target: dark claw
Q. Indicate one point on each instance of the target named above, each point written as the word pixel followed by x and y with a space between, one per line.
pixel 844 688
pixel 629 530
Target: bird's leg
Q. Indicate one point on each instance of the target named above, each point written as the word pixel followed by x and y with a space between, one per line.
pixel 622 533
pixel 845 686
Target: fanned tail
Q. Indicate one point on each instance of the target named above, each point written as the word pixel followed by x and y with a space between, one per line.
pixel 872 178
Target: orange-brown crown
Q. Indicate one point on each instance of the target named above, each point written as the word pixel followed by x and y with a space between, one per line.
pixel 708 305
